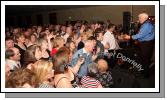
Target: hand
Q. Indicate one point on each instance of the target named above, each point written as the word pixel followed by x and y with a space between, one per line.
pixel 126 37
pixel 80 61
pixel 98 50
pixel 94 57
pixel 50 36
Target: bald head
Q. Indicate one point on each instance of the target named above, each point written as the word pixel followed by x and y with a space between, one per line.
pixel 143 17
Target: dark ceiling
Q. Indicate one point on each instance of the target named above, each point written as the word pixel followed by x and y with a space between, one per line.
pixel 24 9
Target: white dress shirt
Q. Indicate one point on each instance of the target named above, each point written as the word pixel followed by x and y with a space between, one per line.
pixel 65 37
pixel 111 40
pixel 12 64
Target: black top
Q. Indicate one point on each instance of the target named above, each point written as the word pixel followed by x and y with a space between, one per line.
pixel 105 79
pixel 48 58
pixel 80 45
pixel 21 52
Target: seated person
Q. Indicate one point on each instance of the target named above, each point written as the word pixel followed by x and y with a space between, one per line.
pixel 103 75
pixel 12 56
pixel 89 81
pixel 85 53
pixel 43 70
pixel 64 75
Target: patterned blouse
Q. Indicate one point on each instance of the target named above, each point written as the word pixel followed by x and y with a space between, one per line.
pixel 105 79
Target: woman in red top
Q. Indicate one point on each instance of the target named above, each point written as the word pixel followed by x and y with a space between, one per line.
pixel 58 42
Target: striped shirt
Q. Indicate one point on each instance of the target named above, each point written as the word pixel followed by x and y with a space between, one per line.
pixel 88 82
pixel 45 86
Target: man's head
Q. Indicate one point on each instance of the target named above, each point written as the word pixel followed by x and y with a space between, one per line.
pixel 143 17
pixel 63 28
pixel 15 30
pixel 99 34
pixel 9 43
pixel 13 54
pixel 92 38
pixel 89 46
pixel 111 27
pixel 98 25
pixel 68 30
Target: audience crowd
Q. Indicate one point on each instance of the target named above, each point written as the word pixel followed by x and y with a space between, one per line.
pixel 61 56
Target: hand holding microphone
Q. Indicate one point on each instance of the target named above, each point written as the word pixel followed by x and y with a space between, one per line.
pixel 127 37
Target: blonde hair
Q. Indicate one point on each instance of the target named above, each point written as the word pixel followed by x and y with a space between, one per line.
pixel 40 41
pixel 57 41
pixel 102 65
pixel 89 32
pixel 42 68
pixel 84 35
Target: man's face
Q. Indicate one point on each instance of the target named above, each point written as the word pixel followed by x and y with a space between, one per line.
pixel 16 57
pixel 113 28
pixel 63 28
pixel 91 46
pixel 68 30
pixel 141 19
pixel 94 43
pixel 9 44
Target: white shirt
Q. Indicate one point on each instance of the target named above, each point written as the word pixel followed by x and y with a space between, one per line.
pixel 84 51
pixel 110 39
pixel 12 64
pixel 65 37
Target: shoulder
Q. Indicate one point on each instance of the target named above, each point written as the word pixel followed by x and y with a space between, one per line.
pixel 80 51
pixel 148 24
pixel 60 77
pixel 62 81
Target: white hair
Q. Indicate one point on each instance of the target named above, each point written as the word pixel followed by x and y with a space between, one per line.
pixel 144 15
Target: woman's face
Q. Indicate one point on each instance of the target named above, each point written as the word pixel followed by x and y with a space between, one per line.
pixel 72 45
pixel 44 45
pixel 21 39
pixel 33 38
pixel 50 74
pixel 39 29
pixel 62 43
pixel 38 54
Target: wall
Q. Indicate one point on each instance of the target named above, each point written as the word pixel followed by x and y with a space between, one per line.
pixel 138 9
pixel 102 13
pixel 114 13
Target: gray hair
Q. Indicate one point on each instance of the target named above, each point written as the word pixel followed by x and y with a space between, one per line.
pixel 92 69
pixel 145 15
